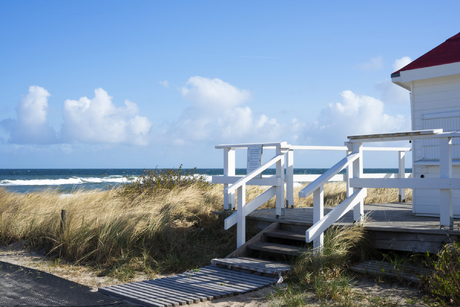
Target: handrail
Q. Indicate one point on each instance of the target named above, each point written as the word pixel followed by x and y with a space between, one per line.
pixel 320 226
pixel 328 174
pixel 254 173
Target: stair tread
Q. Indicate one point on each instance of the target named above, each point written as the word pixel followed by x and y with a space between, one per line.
pixel 253 264
pixel 285 234
pixel 277 248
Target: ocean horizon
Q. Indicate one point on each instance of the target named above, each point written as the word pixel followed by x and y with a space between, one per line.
pixel 69 180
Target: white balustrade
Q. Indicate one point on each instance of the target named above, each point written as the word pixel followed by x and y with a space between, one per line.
pixel 282 184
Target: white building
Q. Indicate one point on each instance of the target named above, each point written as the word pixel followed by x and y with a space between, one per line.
pixel 434 84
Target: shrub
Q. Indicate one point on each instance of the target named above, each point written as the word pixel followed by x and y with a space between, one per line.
pixel 156 181
pixel 444 283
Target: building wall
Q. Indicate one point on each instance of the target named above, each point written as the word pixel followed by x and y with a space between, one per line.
pixel 436 104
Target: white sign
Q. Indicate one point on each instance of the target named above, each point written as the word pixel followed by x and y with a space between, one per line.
pixel 254 159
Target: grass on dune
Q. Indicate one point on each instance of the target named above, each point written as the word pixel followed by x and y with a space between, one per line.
pixel 159 228
pixel 166 232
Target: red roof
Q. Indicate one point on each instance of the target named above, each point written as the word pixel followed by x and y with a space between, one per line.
pixel 446 53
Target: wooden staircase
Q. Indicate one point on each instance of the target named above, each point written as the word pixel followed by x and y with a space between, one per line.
pixel 269 252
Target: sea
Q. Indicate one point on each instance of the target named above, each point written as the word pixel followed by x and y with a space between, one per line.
pixel 66 181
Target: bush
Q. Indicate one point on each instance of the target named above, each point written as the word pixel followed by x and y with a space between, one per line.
pixel 156 181
pixel 444 283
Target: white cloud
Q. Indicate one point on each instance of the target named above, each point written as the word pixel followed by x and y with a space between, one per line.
pixel 218 115
pixel 400 63
pixel 214 93
pixel 372 65
pixel 165 83
pixel 97 120
pixel 31 125
pixel 356 114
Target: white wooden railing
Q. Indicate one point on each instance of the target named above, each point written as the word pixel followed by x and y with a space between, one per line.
pixel 282 184
pixel 445 183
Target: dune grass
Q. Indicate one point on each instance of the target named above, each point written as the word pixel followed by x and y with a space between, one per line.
pixel 164 231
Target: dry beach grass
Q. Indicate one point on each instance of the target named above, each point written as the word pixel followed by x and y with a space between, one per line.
pixel 109 238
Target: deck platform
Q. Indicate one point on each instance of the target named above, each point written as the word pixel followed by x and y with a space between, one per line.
pixel 393 226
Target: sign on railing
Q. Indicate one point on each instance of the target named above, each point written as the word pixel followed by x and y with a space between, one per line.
pixel 254 159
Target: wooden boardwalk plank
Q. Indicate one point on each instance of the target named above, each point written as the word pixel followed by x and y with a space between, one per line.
pixel 406 272
pixel 189 287
pixel 253 264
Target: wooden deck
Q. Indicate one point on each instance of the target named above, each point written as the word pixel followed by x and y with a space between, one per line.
pixel 393 226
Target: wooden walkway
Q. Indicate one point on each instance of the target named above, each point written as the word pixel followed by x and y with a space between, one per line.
pixel 393 226
pixel 195 286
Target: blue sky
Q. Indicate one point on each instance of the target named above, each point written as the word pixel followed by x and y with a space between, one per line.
pixel 140 84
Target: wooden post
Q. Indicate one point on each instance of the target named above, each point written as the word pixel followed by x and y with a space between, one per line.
pixel 280 189
pixel 358 210
pixel 63 220
pixel 318 214
pixel 229 170
pixel 445 170
pixel 349 171
pixel 241 224
pixel 402 174
pixel 290 179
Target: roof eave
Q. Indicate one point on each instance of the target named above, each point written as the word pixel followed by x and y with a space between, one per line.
pixel 405 77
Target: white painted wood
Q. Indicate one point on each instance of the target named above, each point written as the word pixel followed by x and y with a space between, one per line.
pixel 349 171
pixel 265 145
pixel 259 201
pixel 254 173
pixel 395 136
pixel 229 170
pixel 266 180
pixel 290 179
pixel 430 72
pixel 410 183
pixel 250 207
pixel 386 148
pixel 241 225
pixel 318 214
pixel 314 231
pixel 445 196
pixel 280 189
pixel 328 148
pixel 230 221
pixel 434 85
pixel 402 173
pixel 358 210
pixel 328 174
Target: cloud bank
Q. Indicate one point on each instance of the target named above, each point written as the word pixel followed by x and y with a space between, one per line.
pixel 218 112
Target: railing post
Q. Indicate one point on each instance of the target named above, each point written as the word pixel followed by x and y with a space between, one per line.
pixel 445 170
pixel 241 224
pixel 402 173
pixel 349 170
pixel 358 210
pixel 280 189
pixel 318 214
pixel 290 178
pixel 229 170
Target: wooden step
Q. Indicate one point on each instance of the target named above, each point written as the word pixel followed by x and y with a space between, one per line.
pixel 279 249
pixel 284 234
pixel 253 265
pixel 407 272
